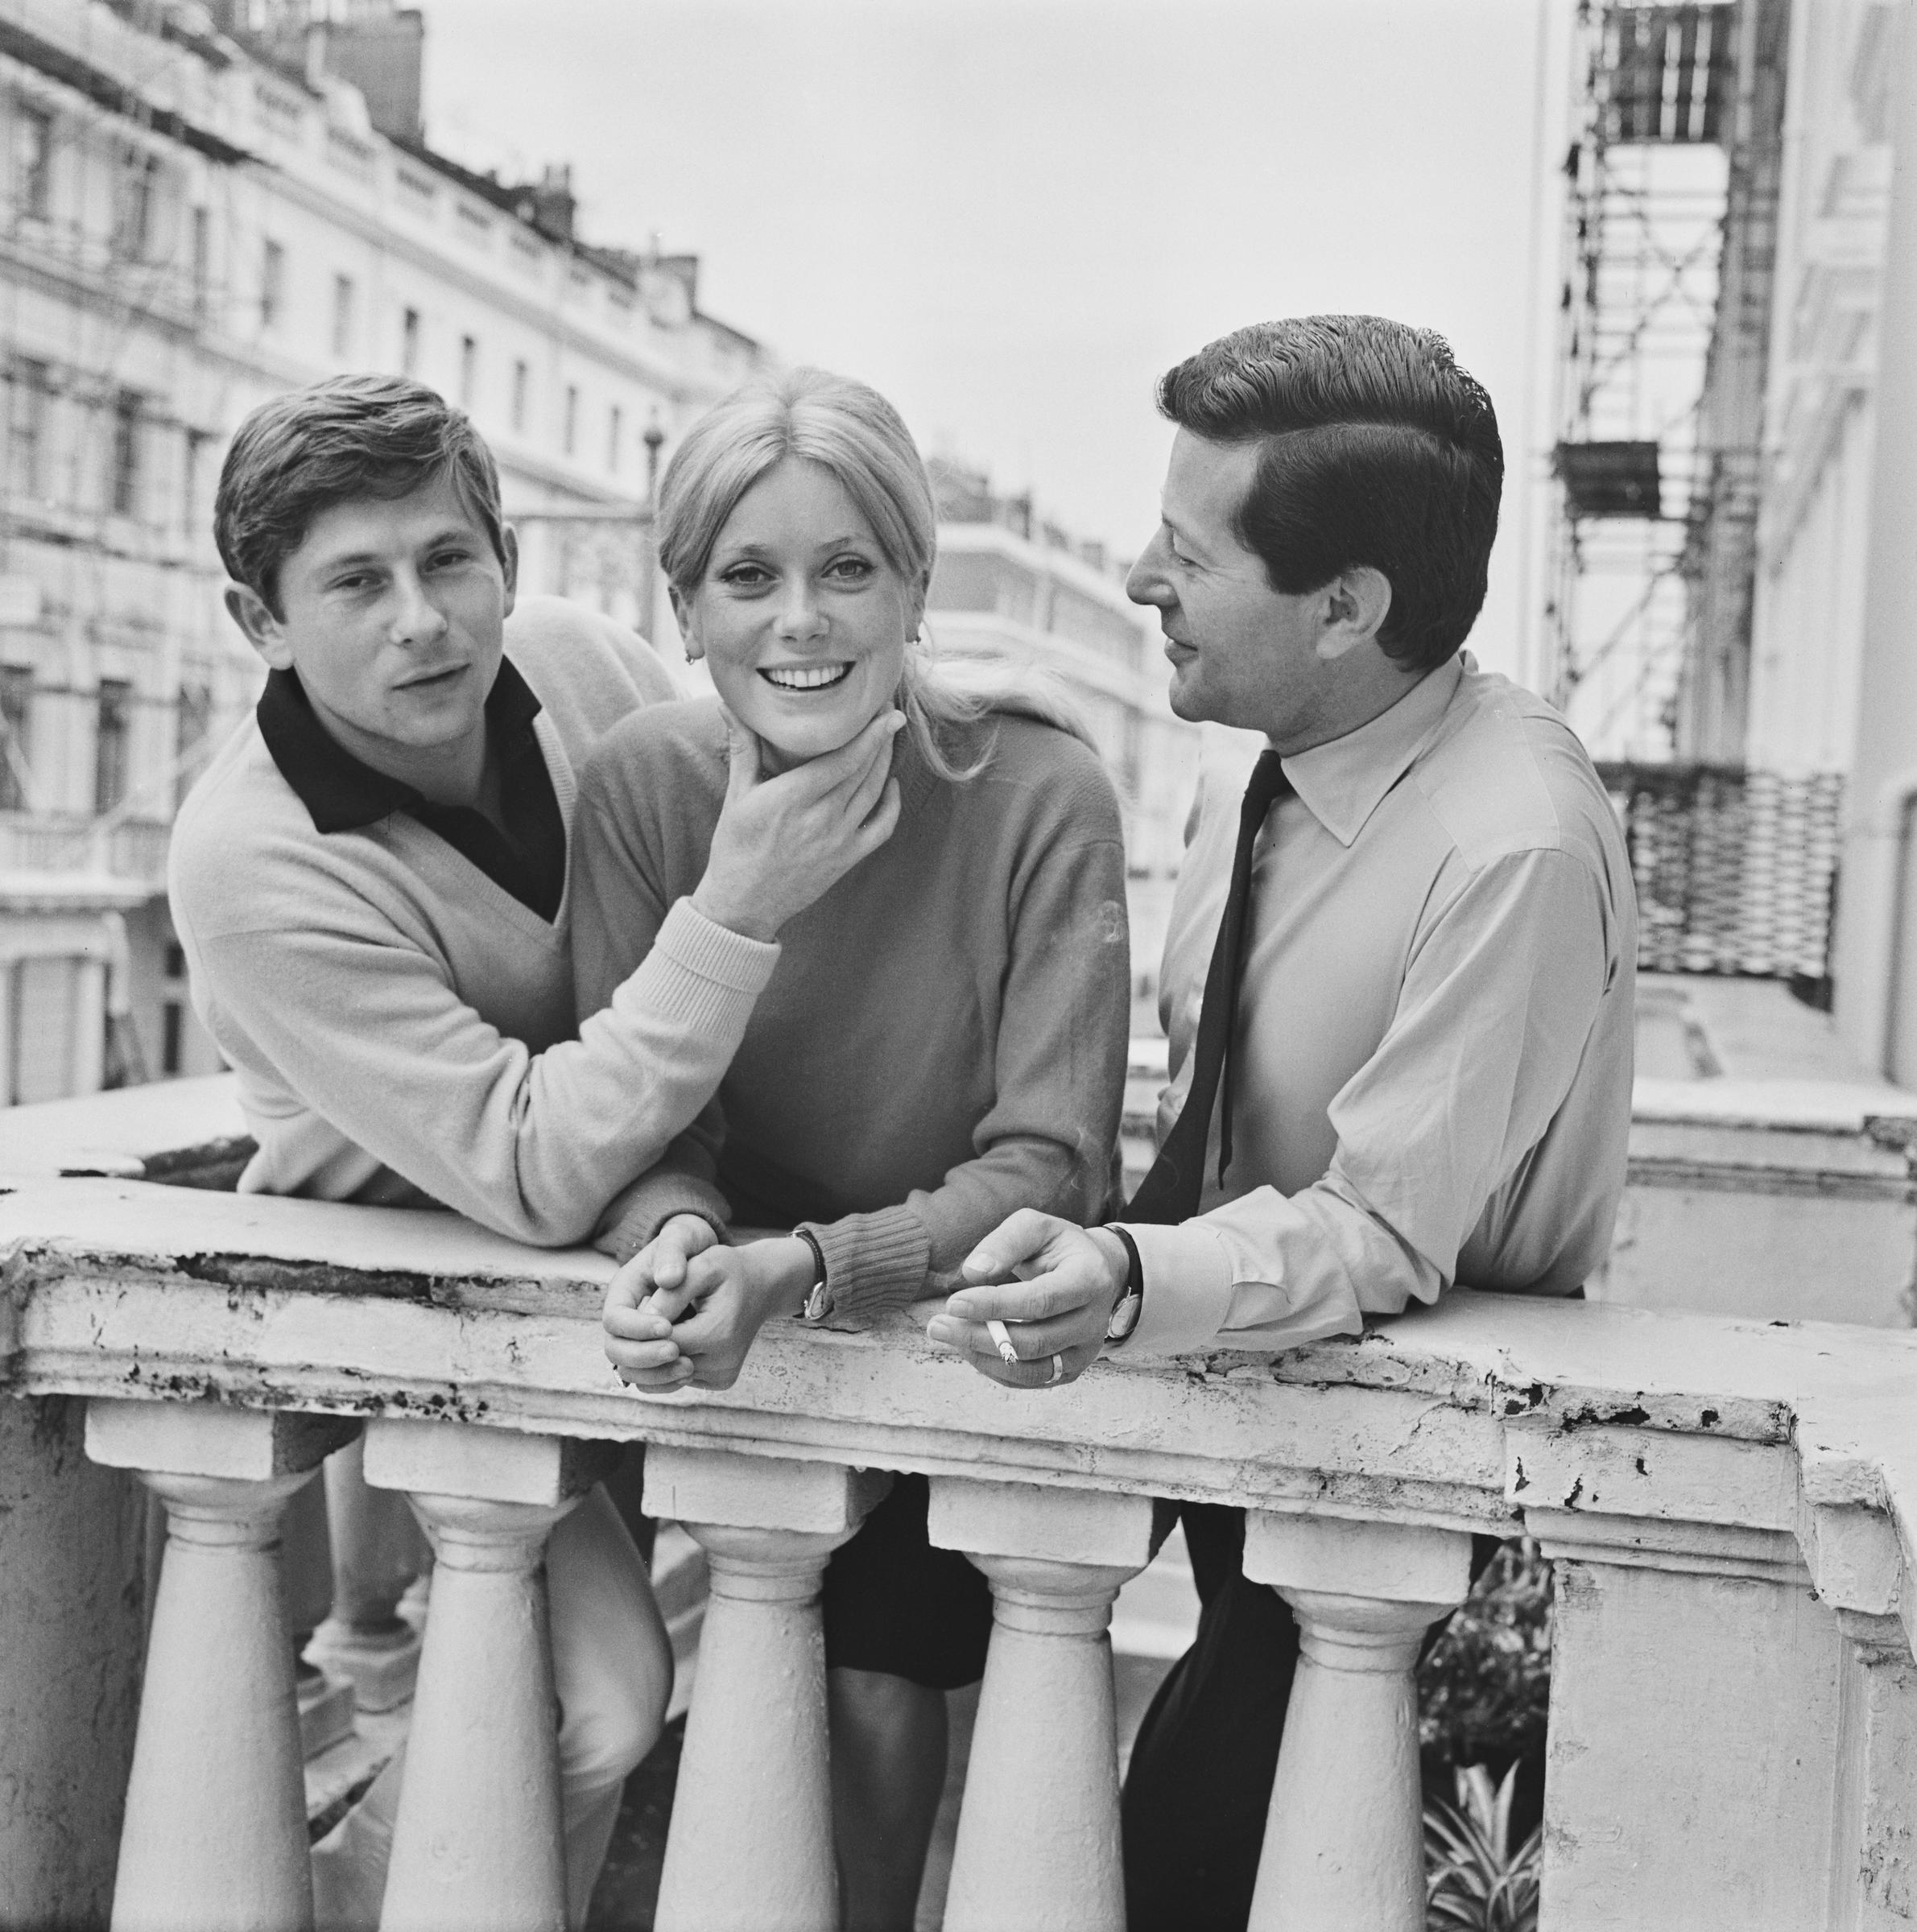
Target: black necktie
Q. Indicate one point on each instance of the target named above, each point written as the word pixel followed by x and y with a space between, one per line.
pixel 1170 1191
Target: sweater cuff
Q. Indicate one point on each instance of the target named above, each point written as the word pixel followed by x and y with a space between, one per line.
pixel 872 1262
pixel 715 952
pixel 701 980
pixel 663 1197
pixel 1187 1288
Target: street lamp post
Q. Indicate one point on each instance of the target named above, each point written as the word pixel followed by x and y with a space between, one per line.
pixel 654 440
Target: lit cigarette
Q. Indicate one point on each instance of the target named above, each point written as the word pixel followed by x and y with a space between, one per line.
pixel 1003 1341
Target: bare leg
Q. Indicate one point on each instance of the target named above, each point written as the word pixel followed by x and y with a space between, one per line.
pixel 888 1771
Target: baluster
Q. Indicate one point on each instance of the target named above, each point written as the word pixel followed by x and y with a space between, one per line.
pixel 1038 1833
pixel 1345 1837
pixel 215 1830
pixel 750 1846
pixel 478 1842
pixel 378 1550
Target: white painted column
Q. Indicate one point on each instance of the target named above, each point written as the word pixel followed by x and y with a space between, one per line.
pixel 750 1847
pixel 478 1842
pixel 1873 1858
pixel 378 1549
pixel 72 1540
pixel 9 1048
pixel 1850 1543
pixel 1038 1836
pixel 215 1828
pixel 1873 981
pixel 1695 1691
pixel 1345 1837
pixel 88 1064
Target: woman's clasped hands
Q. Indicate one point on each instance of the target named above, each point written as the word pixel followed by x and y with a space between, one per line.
pixel 685 1310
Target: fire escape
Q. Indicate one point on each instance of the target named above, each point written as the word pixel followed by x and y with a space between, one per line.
pixel 1670 205
pixel 1672 181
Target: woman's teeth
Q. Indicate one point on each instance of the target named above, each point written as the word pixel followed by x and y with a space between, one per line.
pixel 815 677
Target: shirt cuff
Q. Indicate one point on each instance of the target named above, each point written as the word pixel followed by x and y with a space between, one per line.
pixel 1187 1288
pixel 872 1262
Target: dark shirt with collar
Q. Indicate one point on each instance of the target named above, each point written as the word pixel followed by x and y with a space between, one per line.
pixel 527 859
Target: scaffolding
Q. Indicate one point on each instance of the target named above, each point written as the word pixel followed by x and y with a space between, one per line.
pixel 1671 191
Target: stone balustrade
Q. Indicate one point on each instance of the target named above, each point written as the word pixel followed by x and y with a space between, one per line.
pixel 1731 1508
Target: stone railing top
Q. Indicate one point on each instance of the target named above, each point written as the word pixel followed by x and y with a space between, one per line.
pixel 1799 1106
pixel 112 1132
pixel 1476 1414
pixel 118 1132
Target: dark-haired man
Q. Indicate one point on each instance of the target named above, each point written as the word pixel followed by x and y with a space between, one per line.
pixel 370 883
pixel 1397 984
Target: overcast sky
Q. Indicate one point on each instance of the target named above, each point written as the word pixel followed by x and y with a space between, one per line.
pixel 1011 218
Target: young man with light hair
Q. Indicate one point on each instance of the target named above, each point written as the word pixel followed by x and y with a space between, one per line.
pixel 370 882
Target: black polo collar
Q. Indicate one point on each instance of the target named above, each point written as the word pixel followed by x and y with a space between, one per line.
pixel 524 854
pixel 342 793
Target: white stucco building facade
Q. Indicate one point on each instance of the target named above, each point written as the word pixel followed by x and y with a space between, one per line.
pixel 1819 419
pixel 190 226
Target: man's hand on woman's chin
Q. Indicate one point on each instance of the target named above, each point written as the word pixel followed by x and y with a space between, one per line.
pixel 697 1332
pixel 783 841
pixel 1050 1284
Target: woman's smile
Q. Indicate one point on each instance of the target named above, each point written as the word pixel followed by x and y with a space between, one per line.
pixel 806 677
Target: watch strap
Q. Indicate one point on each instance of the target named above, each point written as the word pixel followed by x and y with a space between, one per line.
pixel 1134 1285
pixel 817 1304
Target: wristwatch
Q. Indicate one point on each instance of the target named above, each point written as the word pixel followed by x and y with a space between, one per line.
pixel 817 1302
pixel 1130 1304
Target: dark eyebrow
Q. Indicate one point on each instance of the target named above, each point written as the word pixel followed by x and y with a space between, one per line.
pixel 359 559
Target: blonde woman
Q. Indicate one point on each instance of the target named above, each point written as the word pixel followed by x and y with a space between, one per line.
pixel 943 1037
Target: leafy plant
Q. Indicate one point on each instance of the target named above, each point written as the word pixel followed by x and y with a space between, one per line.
pixel 1484 1689
pixel 1474 1880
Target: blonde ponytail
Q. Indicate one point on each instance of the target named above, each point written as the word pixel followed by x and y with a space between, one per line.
pixel 950 703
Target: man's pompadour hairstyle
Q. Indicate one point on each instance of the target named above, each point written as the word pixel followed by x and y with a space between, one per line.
pixel 346 438
pixel 1377 450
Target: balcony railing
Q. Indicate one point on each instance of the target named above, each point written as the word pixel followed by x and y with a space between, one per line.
pixel 1731 1509
pixel 1736 870
pixel 132 849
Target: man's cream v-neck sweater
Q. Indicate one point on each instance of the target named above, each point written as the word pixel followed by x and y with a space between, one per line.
pixel 403 1028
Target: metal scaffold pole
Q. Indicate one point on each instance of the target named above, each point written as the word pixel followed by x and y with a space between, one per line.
pixel 1671 186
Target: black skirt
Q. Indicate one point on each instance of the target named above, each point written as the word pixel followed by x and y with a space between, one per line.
pixel 895 1603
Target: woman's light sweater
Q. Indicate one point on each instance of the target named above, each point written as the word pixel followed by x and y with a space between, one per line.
pixel 943 1038
pixel 402 1026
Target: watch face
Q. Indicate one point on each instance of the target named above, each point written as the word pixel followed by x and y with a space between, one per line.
pixel 1124 1317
